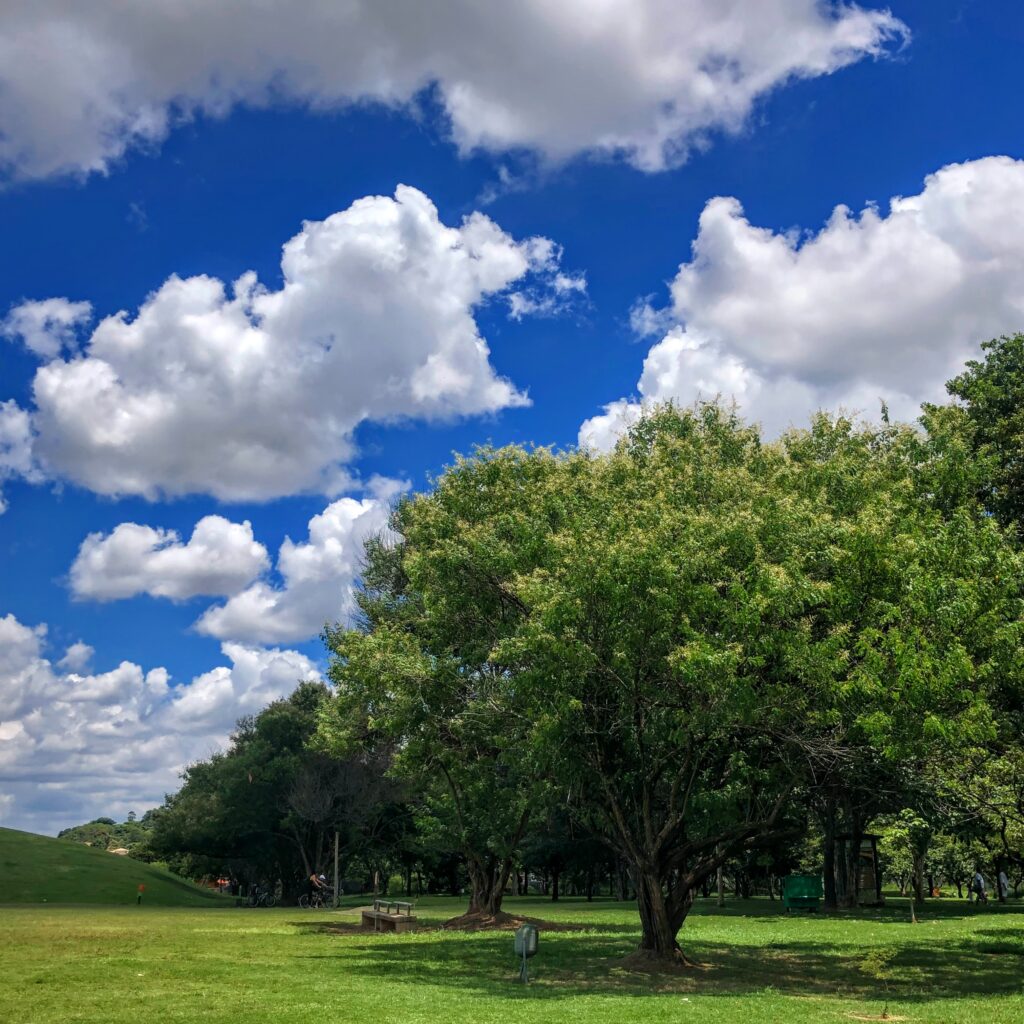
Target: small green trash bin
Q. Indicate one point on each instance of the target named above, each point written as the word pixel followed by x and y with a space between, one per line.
pixel 801 892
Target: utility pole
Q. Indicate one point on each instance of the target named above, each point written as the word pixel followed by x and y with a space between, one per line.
pixel 721 883
pixel 337 890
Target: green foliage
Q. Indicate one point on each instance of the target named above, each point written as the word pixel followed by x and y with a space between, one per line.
pixel 267 808
pixel 904 843
pixel 992 392
pixel 421 671
pixel 678 631
pixel 106 834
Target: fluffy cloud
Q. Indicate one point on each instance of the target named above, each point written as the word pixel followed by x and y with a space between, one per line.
pixel 46 326
pixel 248 393
pixel 220 558
pixel 74 746
pixel 76 657
pixel 82 83
pixel 318 579
pixel 16 455
pixel 876 306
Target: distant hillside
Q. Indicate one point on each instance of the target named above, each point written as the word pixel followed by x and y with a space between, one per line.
pixel 34 869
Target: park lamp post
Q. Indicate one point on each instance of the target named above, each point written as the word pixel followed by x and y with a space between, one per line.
pixel 525 946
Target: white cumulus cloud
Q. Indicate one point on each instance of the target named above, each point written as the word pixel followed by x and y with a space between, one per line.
pixel 46 326
pixel 220 558
pixel 880 305
pixel 318 579
pixel 17 458
pixel 81 83
pixel 76 657
pixel 74 746
pixel 247 393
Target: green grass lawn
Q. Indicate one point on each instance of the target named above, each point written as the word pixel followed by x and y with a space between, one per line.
pixel 153 964
pixel 37 869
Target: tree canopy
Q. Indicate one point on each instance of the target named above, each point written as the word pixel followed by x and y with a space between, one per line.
pixel 682 633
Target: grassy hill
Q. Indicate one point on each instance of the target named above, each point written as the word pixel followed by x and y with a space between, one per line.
pixel 37 869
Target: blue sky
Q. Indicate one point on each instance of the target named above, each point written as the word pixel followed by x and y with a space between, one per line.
pixel 209 161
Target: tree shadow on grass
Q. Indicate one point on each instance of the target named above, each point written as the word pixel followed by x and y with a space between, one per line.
pixel 896 909
pixel 914 970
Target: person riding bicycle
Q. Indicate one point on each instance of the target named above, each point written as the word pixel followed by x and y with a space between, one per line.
pixel 315 884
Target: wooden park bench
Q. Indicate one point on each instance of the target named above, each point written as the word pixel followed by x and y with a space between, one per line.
pixel 389 916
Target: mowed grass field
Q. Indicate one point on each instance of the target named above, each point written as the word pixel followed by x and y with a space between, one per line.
pixel 154 964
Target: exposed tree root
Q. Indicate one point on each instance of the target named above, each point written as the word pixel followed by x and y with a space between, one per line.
pixel 650 961
pixel 479 921
pixel 875 1016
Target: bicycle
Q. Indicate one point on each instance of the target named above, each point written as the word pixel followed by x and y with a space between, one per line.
pixel 260 897
pixel 318 900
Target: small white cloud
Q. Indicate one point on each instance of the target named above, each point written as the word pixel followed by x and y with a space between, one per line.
pixel 646 321
pixel 551 296
pixel 318 577
pixel 599 433
pixel 220 558
pixel 76 657
pixel 17 458
pixel 47 326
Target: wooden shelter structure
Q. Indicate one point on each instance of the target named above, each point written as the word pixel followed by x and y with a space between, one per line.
pixel 858 874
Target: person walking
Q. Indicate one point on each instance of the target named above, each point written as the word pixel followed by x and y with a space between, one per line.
pixel 1004 885
pixel 978 887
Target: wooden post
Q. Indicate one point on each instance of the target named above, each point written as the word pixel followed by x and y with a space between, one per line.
pixel 336 879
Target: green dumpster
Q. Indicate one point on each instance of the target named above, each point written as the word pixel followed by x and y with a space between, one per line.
pixel 801 892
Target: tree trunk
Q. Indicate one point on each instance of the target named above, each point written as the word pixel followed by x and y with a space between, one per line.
pixel 842 875
pixel 721 886
pixel 487 885
pixel 918 878
pixel 829 855
pixel 853 858
pixel 621 882
pixel 660 917
pixel 555 875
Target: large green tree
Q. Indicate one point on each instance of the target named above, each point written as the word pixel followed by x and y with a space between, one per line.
pixel 919 613
pixel 679 634
pixel 420 669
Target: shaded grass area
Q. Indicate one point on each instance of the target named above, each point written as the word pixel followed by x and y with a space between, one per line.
pixel 38 869
pixel 958 965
